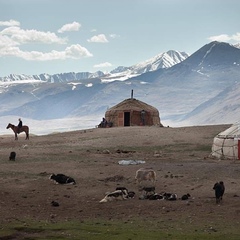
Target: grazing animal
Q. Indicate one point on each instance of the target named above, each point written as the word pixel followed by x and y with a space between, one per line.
pixel 62 179
pixel 16 131
pixel 219 191
pixel 145 174
pixel 12 156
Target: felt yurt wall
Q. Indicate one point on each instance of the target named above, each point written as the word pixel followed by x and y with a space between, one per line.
pixel 226 145
pixel 133 112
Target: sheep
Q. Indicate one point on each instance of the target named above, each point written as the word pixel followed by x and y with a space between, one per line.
pixel 116 195
pixel 121 193
pixel 62 179
pixel 219 191
pixel 145 174
pixel 155 196
pixel 12 156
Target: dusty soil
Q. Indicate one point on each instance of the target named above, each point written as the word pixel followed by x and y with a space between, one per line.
pixel 180 157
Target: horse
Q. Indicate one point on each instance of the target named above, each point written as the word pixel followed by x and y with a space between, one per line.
pixel 17 131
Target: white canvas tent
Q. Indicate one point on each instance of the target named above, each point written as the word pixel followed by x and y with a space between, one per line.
pixel 226 145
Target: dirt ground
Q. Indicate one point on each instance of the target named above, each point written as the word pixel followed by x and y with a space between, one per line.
pixel 180 157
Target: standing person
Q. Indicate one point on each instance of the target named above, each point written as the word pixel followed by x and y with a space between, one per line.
pixel 19 125
pixel 143 117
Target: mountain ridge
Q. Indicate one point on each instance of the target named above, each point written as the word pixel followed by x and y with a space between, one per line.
pixel 162 60
pixel 182 93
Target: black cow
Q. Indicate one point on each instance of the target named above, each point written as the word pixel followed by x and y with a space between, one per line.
pixel 62 179
pixel 219 191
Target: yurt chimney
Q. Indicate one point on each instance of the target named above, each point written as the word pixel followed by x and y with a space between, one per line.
pixel 132 94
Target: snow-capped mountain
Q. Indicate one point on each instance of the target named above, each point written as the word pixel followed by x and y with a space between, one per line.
pixel 201 89
pixel 61 77
pixel 163 60
pixel 237 45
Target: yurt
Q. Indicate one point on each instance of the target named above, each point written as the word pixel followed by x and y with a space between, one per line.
pixel 226 145
pixel 133 112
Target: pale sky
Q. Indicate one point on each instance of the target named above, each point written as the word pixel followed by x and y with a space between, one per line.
pixel 56 36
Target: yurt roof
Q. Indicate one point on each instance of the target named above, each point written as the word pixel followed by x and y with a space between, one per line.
pixel 132 104
pixel 231 132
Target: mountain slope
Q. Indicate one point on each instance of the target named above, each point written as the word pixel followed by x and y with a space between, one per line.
pixel 224 106
pixel 182 92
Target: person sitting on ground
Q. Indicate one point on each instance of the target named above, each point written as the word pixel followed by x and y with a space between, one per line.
pixel 103 123
pixel 19 125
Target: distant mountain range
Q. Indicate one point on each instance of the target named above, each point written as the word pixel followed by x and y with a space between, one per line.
pixel 187 90
pixel 163 60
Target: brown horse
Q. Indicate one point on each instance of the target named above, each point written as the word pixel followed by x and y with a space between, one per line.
pixel 16 130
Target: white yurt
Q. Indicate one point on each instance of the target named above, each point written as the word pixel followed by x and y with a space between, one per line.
pixel 226 145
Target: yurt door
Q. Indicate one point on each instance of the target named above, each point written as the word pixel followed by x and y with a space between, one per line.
pixel 126 118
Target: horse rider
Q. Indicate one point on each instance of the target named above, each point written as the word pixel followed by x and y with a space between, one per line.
pixel 19 125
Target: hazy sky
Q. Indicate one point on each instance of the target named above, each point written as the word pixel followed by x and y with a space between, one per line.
pixel 55 36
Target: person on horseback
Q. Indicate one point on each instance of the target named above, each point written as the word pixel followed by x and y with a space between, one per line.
pixel 19 125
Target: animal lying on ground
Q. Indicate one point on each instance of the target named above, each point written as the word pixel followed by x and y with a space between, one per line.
pixel 219 191
pixel 160 196
pixel 170 196
pixel 55 204
pixel 121 193
pixel 185 196
pixel 62 179
pixel 145 174
pixel 12 156
pixel 155 196
pixel 147 191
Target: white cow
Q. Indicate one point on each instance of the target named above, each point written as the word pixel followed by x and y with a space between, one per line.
pixel 145 174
